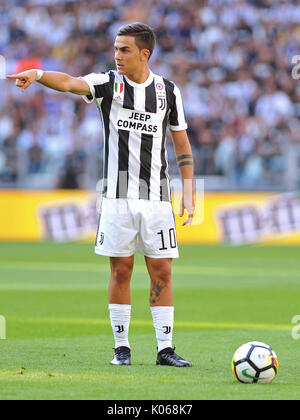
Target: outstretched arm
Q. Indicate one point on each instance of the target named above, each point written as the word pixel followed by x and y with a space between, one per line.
pixel 185 162
pixel 61 82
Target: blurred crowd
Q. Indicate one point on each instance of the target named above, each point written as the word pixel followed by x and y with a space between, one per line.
pixel 232 59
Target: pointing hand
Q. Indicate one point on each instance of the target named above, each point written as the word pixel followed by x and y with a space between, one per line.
pixel 24 79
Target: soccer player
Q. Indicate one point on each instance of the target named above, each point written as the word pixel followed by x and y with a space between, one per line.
pixel 136 107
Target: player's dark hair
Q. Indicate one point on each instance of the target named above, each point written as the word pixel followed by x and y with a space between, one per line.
pixel 143 34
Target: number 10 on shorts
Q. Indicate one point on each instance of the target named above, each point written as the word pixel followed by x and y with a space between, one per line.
pixel 168 240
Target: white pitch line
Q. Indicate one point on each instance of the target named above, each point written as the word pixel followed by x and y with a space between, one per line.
pixel 149 323
pixel 206 270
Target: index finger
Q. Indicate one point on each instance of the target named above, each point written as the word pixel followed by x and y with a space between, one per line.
pixel 13 76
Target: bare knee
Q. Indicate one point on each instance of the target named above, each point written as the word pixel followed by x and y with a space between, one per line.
pixel 160 271
pixel 121 271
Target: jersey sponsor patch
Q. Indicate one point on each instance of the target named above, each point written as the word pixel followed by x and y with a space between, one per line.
pixel 142 122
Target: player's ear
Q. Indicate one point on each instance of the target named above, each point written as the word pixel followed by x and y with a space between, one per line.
pixel 146 53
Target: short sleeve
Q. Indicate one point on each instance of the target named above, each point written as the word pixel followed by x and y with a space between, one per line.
pixel 177 120
pixel 96 82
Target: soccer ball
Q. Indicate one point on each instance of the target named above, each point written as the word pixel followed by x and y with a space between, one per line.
pixel 255 362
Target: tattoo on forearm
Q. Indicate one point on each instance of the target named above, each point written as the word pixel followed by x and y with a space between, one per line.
pixel 156 291
pixel 182 157
pixel 188 162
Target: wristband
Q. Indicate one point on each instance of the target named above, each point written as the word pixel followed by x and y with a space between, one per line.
pixel 39 75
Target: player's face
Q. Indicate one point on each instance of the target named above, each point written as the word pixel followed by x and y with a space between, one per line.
pixel 128 57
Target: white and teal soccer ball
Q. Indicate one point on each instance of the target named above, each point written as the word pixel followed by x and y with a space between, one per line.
pixel 255 362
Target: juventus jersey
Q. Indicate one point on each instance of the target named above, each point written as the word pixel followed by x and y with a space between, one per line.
pixel 134 119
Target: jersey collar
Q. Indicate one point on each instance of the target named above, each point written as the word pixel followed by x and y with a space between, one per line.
pixel 140 85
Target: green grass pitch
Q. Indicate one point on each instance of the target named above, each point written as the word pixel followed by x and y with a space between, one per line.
pixel 59 341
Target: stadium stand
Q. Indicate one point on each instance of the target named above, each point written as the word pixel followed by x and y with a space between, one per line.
pixel 232 60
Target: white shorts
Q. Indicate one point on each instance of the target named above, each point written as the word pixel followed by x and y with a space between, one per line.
pixel 127 226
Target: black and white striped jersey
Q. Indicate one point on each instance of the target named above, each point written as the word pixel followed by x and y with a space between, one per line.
pixel 134 119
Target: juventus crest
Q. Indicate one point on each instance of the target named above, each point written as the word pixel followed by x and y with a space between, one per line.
pixel 101 238
pixel 161 96
pixel 168 329
pixel 162 103
pixel 120 328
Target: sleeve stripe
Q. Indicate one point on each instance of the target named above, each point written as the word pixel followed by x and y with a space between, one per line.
pixel 98 83
pixel 88 98
pixel 174 112
pixel 100 90
pixel 179 107
pixel 176 116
